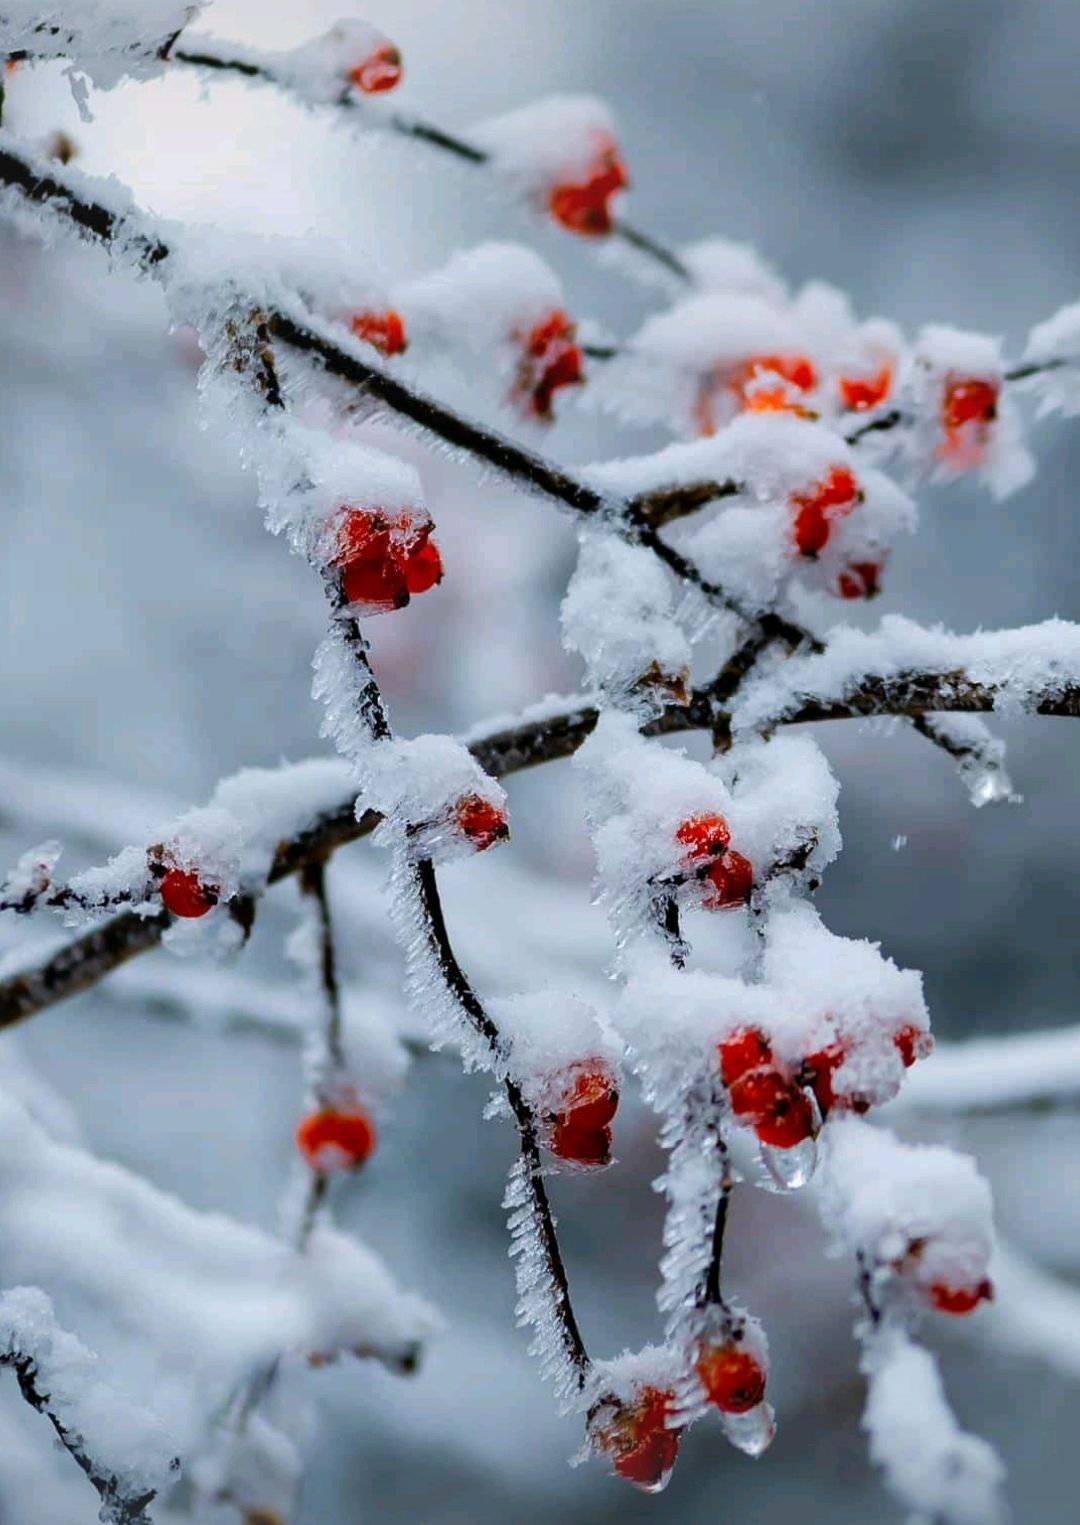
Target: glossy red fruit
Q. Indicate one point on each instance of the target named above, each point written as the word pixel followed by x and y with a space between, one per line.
pixel 960 1300
pixel 733 1379
pixel 588 1098
pixel 705 836
pixel 798 370
pixel 815 510
pixel 861 393
pixel 583 206
pixel 335 1140
pixel 746 1049
pixel 818 1070
pixel 482 822
pixel 385 331
pixel 968 400
pixel 184 894
pixel 774 1106
pixel 641 1446
pixel 912 1043
pixel 860 579
pixel 380 71
pixel 729 882
pixel 423 568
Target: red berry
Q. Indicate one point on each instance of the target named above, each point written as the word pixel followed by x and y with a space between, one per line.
pixel 960 1300
pixel 746 1049
pixel 969 401
pixel 831 498
pixel 731 881
pixel 380 71
pixel 587 1100
pixel 912 1043
pixel 860 393
pixel 968 408
pixel 331 1140
pixel 385 331
pixel 775 1107
pixel 706 836
pixel 582 206
pixel 378 586
pixel 550 360
pixel 483 823
pixel 184 894
pixel 423 567
pixel 642 1447
pixel 860 579
pixel 733 1379
pixel 798 370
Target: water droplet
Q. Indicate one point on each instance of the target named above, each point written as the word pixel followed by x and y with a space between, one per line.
pixel 898 842
pixel 989 785
pixel 752 1432
pixel 790 1168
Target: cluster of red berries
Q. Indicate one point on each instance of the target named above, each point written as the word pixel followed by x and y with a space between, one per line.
pixel 969 407
pixel 480 821
pixel 334 1138
pixel 380 71
pixel 775 1100
pixel 725 877
pixel 583 206
pixel 384 331
pixel 385 559
pixel 954 1298
pixel 578 1127
pixel 550 359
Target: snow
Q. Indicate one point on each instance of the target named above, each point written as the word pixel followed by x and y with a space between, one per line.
pixel 545 143
pixel 1057 338
pixel 930 1464
pixel 104 40
pixel 481 299
pixel 717 264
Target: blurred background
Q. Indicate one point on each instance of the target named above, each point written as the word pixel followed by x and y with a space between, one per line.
pixel 919 154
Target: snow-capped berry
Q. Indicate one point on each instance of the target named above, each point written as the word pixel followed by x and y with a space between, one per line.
pixel 706 836
pixel 729 882
pixel 798 370
pixel 335 1140
pixel 587 1098
pixel 960 1300
pixel 816 509
pixel 550 359
pixel 638 1440
pixel 183 893
pixel 817 1071
pixel 733 1379
pixel 860 579
pixel 969 407
pixel 773 1106
pixel 750 385
pixel 861 393
pixel 746 1049
pixel 912 1043
pixel 384 331
pixel 482 822
pixel 583 206
pixel 379 71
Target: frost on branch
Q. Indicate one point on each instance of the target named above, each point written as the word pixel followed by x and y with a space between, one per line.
pixel 105 40
pixel 1054 346
pixel 351 60
pixel 122 1446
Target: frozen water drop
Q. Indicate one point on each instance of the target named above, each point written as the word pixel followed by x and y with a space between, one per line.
pixel 752 1432
pixel 989 786
pixel 899 842
pixel 790 1168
